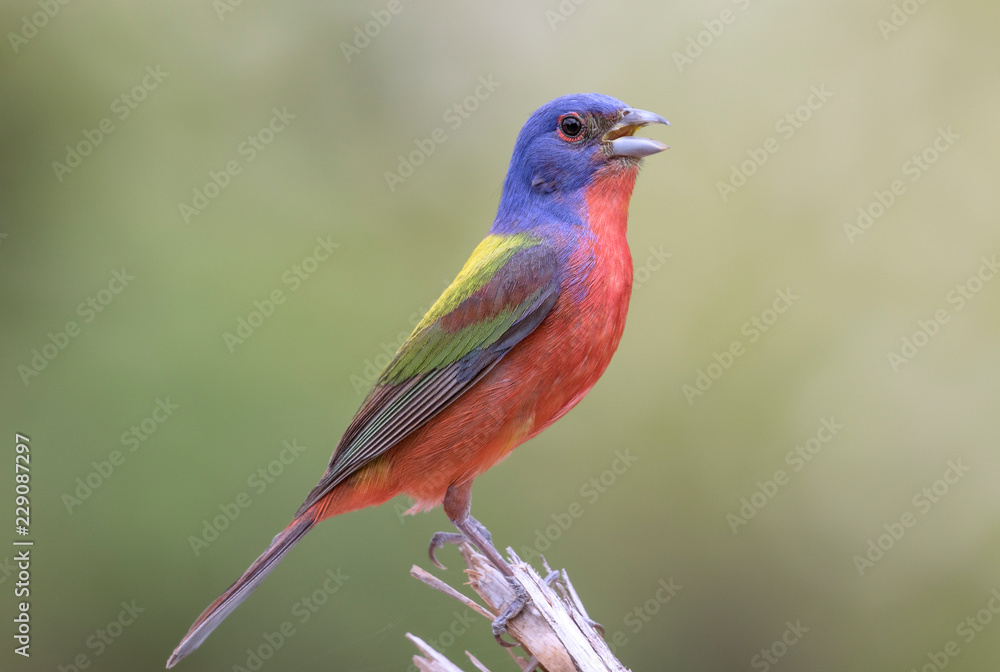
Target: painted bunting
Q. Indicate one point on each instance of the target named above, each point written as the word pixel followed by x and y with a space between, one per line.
pixel 517 340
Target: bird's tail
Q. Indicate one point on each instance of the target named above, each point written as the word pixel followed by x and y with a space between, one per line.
pixel 246 584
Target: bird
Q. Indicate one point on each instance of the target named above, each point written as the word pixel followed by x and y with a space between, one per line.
pixel 520 336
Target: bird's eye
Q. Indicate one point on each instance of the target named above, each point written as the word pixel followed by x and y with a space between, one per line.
pixel 570 127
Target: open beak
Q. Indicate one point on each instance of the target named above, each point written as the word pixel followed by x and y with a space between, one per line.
pixel 624 143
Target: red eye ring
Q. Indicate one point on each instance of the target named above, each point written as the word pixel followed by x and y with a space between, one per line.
pixel 570 127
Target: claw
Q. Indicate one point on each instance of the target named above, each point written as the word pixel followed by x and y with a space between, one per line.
pixel 513 609
pixel 439 540
pixel 503 642
pixel 500 624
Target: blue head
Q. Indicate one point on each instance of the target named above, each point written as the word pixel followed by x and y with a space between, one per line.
pixel 561 148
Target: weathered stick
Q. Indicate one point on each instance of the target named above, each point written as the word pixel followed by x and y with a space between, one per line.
pixel 554 629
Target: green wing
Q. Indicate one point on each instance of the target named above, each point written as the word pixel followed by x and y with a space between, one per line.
pixel 502 293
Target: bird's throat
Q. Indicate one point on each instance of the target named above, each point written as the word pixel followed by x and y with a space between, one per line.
pixel 608 197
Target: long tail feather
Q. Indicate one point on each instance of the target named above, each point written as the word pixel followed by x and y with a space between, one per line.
pixel 239 591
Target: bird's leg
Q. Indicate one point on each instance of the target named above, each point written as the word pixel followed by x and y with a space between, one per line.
pixel 473 531
pixel 457 503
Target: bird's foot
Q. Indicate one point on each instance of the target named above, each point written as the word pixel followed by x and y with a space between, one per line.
pixel 519 602
pixel 439 540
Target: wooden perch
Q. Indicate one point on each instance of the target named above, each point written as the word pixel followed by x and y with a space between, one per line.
pixel 554 629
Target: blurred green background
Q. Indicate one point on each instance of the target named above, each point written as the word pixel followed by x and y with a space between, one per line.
pixel 709 260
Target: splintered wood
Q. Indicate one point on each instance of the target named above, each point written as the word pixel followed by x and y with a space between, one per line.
pixel 554 629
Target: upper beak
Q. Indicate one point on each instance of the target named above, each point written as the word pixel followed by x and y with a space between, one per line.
pixel 624 143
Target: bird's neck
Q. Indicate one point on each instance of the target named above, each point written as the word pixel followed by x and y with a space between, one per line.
pixel 601 205
pixel 523 208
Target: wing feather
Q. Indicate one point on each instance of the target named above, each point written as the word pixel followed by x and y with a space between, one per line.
pixel 501 295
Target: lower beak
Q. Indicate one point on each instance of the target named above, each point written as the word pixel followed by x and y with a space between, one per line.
pixel 624 143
